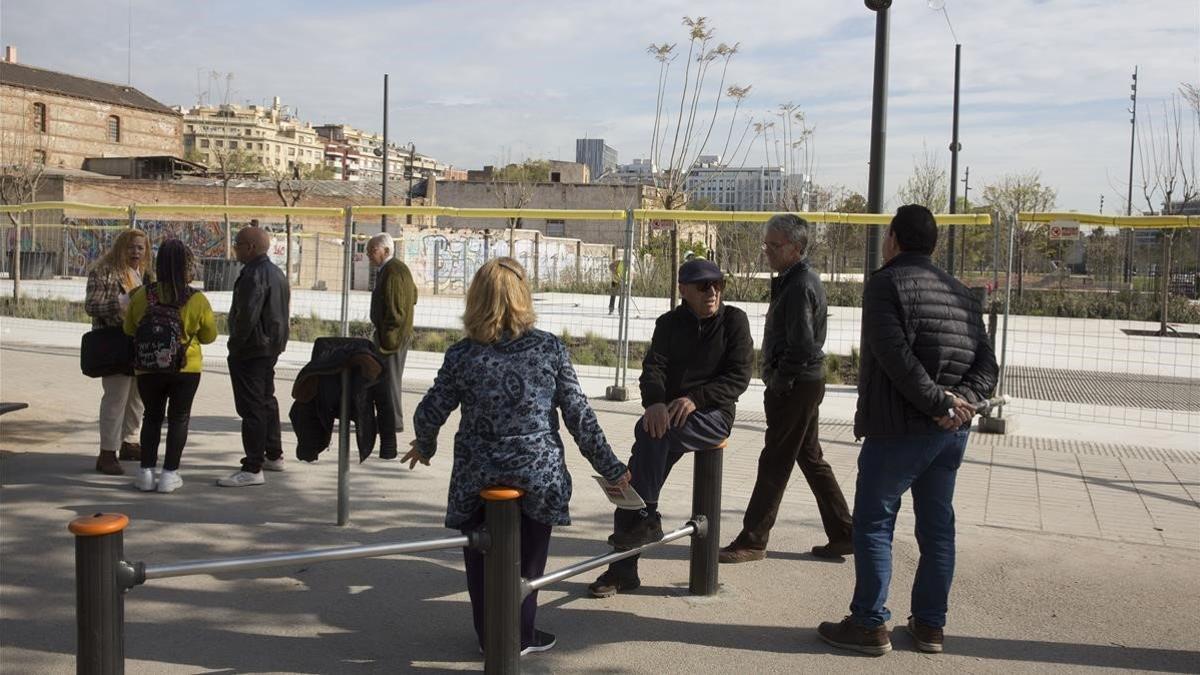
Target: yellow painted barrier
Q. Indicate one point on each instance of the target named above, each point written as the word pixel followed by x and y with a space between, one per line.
pixel 1157 222
pixel 240 210
pixel 587 214
pixel 811 216
pixel 122 211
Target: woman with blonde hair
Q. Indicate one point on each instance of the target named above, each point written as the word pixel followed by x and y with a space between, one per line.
pixel 110 282
pixel 512 380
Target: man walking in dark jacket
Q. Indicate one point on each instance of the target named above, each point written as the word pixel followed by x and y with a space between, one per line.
pixel 258 333
pixel 697 366
pixel 392 302
pixel 793 369
pixel 926 361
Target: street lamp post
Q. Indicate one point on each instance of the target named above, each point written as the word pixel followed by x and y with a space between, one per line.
pixel 412 158
pixel 874 252
pixel 386 154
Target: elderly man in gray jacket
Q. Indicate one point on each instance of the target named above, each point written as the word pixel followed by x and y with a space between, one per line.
pixel 793 369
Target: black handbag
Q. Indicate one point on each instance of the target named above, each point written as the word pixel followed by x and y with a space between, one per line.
pixel 106 351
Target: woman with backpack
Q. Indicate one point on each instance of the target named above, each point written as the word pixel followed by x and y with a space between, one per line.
pixel 110 282
pixel 168 321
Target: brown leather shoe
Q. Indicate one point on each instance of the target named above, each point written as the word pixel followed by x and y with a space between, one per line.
pixel 130 452
pixel 107 463
pixel 849 635
pixel 733 553
pixel 927 638
pixel 834 549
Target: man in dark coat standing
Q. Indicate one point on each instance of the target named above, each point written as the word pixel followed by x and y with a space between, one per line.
pixel 258 333
pixel 926 361
pixel 697 366
pixel 793 369
pixel 392 302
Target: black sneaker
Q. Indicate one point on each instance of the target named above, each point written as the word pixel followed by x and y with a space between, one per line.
pixel 542 642
pixel 646 530
pixel 609 584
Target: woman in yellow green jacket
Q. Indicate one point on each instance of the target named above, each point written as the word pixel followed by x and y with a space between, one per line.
pixel 169 380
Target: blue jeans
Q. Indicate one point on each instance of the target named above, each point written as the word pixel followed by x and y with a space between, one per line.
pixel 887 467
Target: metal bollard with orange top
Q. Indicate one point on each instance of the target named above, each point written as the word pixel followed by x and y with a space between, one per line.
pixel 99 593
pixel 503 590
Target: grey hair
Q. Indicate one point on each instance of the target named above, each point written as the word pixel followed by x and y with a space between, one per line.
pixel 383 240
pixel 792 226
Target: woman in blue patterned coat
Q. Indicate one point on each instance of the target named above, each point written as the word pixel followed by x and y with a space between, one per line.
pixel 511 380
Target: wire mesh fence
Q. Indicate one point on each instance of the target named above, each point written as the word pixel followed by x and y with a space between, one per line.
pixel 1082 338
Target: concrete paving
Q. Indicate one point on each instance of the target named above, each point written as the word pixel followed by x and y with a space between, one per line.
pixel 1076 552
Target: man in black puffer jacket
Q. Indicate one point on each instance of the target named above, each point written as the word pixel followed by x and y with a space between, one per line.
pixel 697 366
pixel 925 360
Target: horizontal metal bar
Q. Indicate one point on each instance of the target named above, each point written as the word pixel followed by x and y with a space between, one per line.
pixel 312 556
pixel 592 563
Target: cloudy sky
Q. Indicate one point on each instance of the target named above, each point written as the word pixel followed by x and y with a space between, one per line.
pixel 1045 83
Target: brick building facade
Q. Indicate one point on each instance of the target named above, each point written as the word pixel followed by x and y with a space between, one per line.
pixel 58 120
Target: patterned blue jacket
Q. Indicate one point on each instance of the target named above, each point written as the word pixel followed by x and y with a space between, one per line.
pixel 508 434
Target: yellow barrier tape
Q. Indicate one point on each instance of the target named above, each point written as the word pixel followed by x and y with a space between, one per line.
pixel 814 216
pixel 548 214
pixel 1157 222
pixel 66 206
pixel 576 214
pixel 240 210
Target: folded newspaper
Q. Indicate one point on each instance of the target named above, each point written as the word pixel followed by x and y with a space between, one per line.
pixel 622 495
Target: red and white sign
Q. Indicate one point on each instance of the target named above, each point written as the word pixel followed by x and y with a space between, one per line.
pixel 1064 230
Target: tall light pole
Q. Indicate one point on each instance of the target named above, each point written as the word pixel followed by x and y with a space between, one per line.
pixel 874 252
pixel 412 158
pixel 1128 267
pixel 383 200
pixel 955 146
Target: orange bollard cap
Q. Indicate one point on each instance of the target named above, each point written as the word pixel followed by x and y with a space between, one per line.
pixel 98 524
pixel 500 494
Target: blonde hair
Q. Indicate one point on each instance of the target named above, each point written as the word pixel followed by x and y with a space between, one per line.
pixel 498 302
pixel 114 260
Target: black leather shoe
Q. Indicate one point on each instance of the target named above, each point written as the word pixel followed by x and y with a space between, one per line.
pixel 646 530
pixel 609 584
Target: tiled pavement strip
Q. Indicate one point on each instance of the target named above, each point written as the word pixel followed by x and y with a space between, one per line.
pixel 1106 491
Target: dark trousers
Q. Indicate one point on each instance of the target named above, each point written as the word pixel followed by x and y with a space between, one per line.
pixel 254 399
pixel 653 458
pixel 535 548
pixel 792 439
pixel 614 290
pixel 388 397
pixel 157 391
pixel 887 467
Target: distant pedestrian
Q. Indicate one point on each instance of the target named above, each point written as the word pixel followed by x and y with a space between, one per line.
pixel 121 270
pixel 155 309
pixel 512 381
pixel 258 334
pixel 925 360
pixel 392 303
pixel 793 369
pixel 616 270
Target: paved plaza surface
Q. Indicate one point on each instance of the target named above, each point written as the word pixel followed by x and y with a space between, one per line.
pixel 1078 551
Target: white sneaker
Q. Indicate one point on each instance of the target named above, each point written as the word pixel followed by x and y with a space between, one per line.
pixel 144 480
pixel 169 481
pixel 242 479
pixel 273 464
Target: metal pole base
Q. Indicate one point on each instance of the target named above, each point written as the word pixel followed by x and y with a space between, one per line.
pixel 706 503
